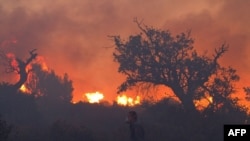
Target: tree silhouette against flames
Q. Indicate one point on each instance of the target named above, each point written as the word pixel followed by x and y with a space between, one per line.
pixel 21 67
pixel 155 56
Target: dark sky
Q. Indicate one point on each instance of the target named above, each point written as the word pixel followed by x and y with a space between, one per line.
pixel 72 35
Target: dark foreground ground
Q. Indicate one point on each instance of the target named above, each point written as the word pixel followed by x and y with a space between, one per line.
pixel 95 122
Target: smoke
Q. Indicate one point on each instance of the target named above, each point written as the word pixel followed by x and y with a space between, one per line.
pixel 73 35
pixel 224 22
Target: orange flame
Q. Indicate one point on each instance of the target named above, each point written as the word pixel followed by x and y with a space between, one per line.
pixel 128 101
pixel 24 89
pixel 41 60
pixel 95 97
pixel 123 100
pixel 204 102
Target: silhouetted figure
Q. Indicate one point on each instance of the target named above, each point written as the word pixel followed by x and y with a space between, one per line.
pixel 136 129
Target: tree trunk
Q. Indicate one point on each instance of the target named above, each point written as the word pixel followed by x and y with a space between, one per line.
pixel 22 69
pixel 23 76
pixel 186 100
pixel 189 106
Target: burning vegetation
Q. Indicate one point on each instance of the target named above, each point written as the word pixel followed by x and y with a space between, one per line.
pixel 205 88
pixel 122 100
pixel 24 89
pixel 41 87
pixel 128 101
pixel 31 83
pixel 35 70
pixel 95 97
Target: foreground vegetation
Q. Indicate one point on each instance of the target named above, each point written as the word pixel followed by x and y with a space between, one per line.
pixel 165 120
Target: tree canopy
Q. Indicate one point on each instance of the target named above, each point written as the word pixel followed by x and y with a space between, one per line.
pixel 156 56
pixel 48 85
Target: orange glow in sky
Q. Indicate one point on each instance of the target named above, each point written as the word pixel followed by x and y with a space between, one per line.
pixel 72 37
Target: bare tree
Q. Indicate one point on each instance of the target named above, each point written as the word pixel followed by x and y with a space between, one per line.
pixel 20 67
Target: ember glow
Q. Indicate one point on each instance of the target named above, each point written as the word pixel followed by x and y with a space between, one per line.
pixel 95 97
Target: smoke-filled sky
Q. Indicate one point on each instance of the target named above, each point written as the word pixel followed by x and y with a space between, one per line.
pixel 72 35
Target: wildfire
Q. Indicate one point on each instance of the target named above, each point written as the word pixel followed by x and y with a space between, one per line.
pixel 12 60
pixel 128 101
pixel 24 89
pixel 123 100
pixel 41 61
pixel 14 64
pixel 204 102
pixel 95 97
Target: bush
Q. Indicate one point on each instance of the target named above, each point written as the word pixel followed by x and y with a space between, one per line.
pixel 64 131
pixel 5 130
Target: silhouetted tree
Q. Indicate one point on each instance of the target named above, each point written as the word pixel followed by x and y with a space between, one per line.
pixel 19 66
pixel 16 106
pixel 48 85
pixel 247 91
pixel 155 56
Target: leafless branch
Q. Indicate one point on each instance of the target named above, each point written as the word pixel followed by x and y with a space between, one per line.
pixel 220 51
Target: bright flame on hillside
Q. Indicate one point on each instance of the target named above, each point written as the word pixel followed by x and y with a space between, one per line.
pixel 128 101
pixel 122 100
pixel 24 89
pixel 95 97
pixel 204 102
